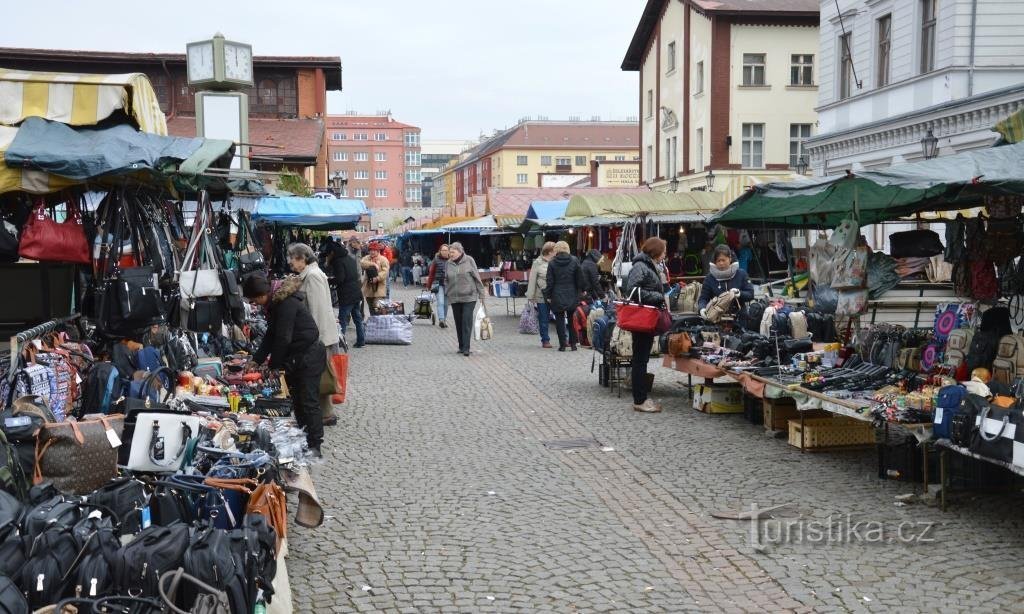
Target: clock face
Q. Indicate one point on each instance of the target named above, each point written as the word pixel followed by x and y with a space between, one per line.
pixel 237 62
pixel 200 61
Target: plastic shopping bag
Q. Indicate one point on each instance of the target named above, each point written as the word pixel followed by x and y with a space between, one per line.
pixel 482 328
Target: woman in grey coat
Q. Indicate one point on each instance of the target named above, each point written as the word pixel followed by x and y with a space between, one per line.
pixel 318 301
pixel 463 287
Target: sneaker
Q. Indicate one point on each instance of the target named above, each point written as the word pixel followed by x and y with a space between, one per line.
pixel 546 345
pixel 561 348
pixel 647 407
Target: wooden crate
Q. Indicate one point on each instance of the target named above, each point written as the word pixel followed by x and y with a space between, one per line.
pixel 778 413
pixel 831 432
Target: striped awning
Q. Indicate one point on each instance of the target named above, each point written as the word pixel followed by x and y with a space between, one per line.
pixel 79 99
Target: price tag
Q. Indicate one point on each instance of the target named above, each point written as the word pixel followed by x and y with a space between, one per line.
pixel 112 437
pixel 938 415
pixel 145 519
pixel 78 379
pixel 37 343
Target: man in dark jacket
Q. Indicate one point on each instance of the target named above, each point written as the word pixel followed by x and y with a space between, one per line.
pixel 564 288
pixel 293 344
pixel 591 276
pixel 350 294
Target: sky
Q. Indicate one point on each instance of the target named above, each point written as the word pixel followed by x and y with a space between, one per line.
pixel 455 68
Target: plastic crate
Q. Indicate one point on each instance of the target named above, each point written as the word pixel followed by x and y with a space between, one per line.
pixel 831 432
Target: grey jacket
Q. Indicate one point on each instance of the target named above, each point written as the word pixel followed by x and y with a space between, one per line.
pixel 462 281
pixel 538 280
pixel 318 300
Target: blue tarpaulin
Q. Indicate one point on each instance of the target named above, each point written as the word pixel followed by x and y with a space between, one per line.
pixel 317 213
pixel 546 209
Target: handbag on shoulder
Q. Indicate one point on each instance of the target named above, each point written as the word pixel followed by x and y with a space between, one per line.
pixel 635 317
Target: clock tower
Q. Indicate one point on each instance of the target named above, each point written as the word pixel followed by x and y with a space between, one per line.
pixel 218 66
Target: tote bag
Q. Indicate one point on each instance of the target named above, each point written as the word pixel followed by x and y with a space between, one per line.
pixel 46 240
pixel 636 317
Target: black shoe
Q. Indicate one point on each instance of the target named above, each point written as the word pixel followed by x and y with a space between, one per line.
pixel 359 345
pixel 442 324
pixel 574 348
pixel 330 421
pixel 315 453
pixel 561 348
pixel 465 352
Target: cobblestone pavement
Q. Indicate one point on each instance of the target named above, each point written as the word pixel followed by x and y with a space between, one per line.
pixel 441 497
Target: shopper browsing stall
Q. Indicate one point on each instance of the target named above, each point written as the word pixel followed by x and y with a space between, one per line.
pixel 645 278
pixel 293 344
pixel 725 275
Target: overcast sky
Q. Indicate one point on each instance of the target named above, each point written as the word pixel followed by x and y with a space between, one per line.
pixel 453 67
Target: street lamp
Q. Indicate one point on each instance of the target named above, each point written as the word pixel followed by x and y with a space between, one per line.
pixel 929 146
pixel 338 182
pixel 710 179
pixel 674 184
pixel 801 165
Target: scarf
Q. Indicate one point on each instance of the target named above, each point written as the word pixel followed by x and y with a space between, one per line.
pixel 724 275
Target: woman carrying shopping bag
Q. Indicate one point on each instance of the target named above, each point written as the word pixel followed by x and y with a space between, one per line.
pixel 463 289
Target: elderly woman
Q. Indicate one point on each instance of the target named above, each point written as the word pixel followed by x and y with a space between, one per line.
pixel 318 300
pixel 564 288
pixel 375 268
pixel 463 288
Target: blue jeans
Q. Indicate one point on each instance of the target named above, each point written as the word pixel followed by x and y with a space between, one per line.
pixel 356 311
pixel 407 279
pixel 544 321
pixel 442 306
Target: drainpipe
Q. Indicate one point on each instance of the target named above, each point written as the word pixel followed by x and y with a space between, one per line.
pixel 970 70
pixel 170 88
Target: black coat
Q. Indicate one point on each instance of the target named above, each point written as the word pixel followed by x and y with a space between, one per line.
pixel 346 276
pixel 644 275
pixel 713 287
pixel 591 276
pixel 291 330
pixel 565 282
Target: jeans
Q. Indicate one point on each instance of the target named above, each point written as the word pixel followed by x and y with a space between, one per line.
pixel 442 306
pixel 462 313
pixel 356 311
pixel 387 289
pixel 544 321
pixel 561 318
pixel 304 387
pixel 642 345
pixel 407 276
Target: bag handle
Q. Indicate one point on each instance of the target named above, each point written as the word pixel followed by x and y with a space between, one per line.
pixel 981 425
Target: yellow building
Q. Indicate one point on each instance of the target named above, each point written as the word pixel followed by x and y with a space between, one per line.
pixel 544 153
pixel 727 87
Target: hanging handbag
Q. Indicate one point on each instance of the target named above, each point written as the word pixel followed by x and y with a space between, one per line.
pixel 636 317
pixel 46 240
pixel 8 244
pixel 79 457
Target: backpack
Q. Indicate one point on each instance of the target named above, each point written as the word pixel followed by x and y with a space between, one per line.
pixel 154 550
pixel 94 575
pixel 797 324
pixel 621 342
pixel 599 333
pixel 44 576
pixel 958 345
pixel 11 599
pixel 688 296
pixel 1008 363
pixel 594 314
pixel 100 389
pixel 749 317
pixel 149 358
pixel 216 557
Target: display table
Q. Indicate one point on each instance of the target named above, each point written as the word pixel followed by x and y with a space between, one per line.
pixel 945 446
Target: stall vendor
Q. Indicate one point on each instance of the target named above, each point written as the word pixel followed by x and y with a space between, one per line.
pixel 724 275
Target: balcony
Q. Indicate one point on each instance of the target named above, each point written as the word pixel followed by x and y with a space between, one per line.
pixel 563 168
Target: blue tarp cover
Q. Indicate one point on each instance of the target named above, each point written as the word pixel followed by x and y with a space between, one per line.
pixel 546 209
pixel 319 213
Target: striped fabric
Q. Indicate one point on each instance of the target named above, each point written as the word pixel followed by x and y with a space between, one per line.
pixel 79 100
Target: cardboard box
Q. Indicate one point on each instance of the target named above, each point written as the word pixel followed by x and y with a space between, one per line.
pixel 778 413
pixel 718 399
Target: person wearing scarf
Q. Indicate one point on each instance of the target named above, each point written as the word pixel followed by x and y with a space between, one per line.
pixel 724 275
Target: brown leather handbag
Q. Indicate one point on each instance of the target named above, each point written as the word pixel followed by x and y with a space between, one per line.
pixel 269 500
pixel 679 344
pixel 78 456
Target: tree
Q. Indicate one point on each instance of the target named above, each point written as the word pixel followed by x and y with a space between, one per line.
pixel 296 184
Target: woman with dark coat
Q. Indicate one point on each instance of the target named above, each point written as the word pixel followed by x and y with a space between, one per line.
pixel 563 291
pixel 348 283
pixel 725 275
pixel 293 344
pixel 645 278
pixel 591 276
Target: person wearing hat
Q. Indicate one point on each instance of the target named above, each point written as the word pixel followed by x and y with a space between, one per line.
pixel 292 343
pixel 375 274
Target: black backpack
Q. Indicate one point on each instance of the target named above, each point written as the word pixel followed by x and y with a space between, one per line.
pixel 124 497
pixel 749 317
pixel 94 575
pixel 218 557
pixel 101 389
pixel 44 577
pixel 11 599
pixel 154 551
pixel 984 347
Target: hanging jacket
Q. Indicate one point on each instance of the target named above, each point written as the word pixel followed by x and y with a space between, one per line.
pixel 591 276
pixel 644 274
pixel 291 329
pixel 565 282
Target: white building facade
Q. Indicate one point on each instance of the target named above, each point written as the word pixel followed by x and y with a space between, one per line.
pixel 892 71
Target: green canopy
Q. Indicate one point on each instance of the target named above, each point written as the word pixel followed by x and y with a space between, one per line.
pixel 948 183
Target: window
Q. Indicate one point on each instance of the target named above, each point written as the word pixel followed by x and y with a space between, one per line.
pixel 361 192
pixel 381 156
pixel 670 58
pixel 359 136
pixel 413 195
pixel 753 69
pixel 380 174
pixel 545 160
pixel 339 136
pixel 666 156
pixel 563 161
pixel 412 158
pixel 620 158
pixel 883 52
pixel 360 156
pixel 267 92
pixel 522 178
pixel 801 70
pixel 380 193
pixel 650 103
pixel 798 133
pixel 581 160
pixel 650 162
pixel 413 176
pixel 753 146
pixel 699 158
pixel 927 35
pixel 362 174
pixel 845 65
pixel 341 156
pixel 521 160
pixel 600 158
pixel 698 78
pixel 380 136
pixel 412 139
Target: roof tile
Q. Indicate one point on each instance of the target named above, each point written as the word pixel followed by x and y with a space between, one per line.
pixel 291 138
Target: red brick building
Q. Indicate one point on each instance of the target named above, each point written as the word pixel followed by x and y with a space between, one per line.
pixel 378 157
pixel 286 106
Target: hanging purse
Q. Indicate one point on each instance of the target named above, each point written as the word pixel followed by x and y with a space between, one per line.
pixel 200 306
pixel 46 240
